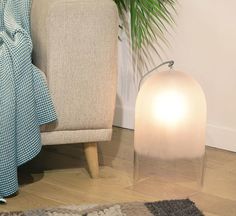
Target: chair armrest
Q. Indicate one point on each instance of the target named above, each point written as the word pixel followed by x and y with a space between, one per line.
pixel 75 44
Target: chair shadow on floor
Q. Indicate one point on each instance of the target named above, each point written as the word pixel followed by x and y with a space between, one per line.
pixel 56 157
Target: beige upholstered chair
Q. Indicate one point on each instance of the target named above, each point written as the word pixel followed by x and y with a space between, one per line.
pixel 75 45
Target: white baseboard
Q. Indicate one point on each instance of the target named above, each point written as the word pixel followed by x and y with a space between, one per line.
pixel 221 137
pixel 124 117
pixel 217 136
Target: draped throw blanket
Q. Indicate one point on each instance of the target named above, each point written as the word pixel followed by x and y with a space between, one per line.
pixel 25 103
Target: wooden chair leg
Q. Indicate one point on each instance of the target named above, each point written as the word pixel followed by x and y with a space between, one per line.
pixel 91 155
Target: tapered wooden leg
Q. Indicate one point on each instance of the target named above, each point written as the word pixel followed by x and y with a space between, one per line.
pixel 91 155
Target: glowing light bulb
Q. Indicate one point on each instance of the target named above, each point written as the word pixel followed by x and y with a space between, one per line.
pixel 170 107
pixel 170 117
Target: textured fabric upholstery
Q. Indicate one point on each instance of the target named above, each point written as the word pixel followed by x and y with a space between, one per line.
pixel 75 44
pixel 77 136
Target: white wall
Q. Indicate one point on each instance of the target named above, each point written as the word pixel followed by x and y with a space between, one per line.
pixel 126 90
pixel 204 45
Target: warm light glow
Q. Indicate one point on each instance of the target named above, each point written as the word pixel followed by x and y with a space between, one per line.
pixel 170 117
pixel 169 107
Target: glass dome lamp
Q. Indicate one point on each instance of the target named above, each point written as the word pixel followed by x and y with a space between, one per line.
pixel 169 140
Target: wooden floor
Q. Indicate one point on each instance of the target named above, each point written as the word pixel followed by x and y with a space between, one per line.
pixel 58 177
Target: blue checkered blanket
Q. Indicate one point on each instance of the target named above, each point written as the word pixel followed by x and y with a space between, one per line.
pixel 25 103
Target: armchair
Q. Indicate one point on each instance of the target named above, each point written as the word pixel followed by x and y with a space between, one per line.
pixel 75 45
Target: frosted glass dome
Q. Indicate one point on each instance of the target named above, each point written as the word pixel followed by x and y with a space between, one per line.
pixel 170 124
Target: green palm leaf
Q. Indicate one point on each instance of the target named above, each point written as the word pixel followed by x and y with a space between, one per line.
pixel 149 20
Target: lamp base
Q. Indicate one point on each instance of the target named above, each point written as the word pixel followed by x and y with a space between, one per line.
pixel 168 179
